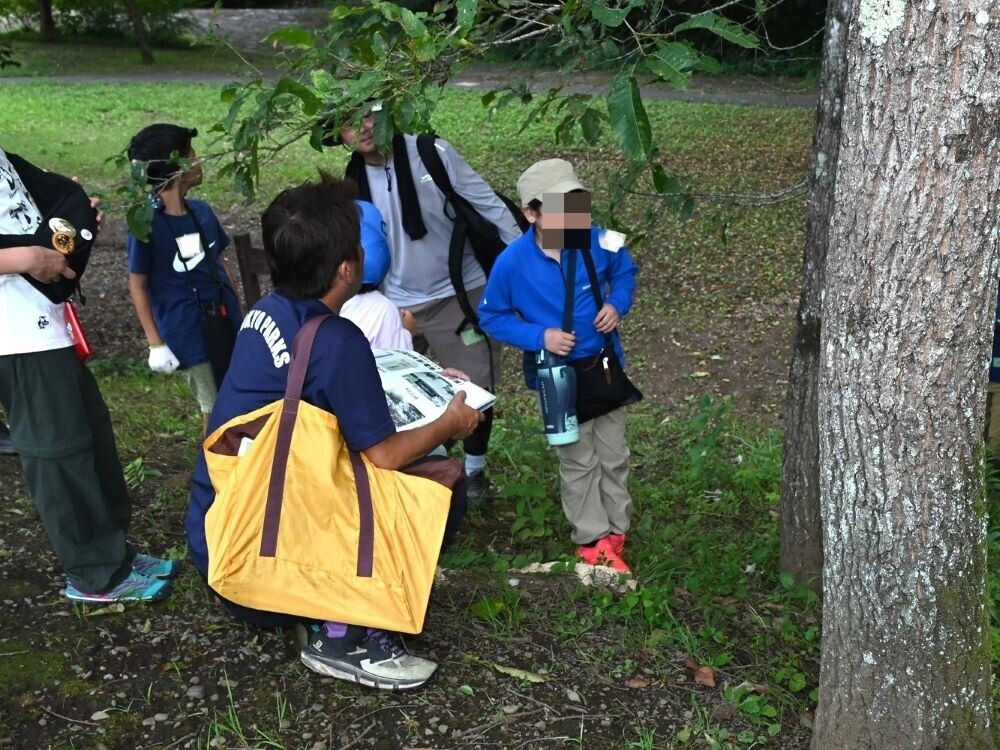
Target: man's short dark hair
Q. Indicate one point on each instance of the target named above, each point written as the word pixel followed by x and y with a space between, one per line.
pixel 155 145
pixel 308 231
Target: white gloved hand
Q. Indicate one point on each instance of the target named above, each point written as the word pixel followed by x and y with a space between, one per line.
pixel 161 359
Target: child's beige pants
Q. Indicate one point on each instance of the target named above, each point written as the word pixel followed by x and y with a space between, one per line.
pixel 594 479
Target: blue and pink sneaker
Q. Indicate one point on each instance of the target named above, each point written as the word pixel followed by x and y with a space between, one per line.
pixel 155 567
pixel 135 588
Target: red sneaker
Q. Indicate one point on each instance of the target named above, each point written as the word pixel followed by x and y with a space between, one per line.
pixel 603 553
pixel 617 543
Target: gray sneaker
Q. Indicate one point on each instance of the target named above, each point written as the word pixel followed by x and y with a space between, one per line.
pixel 375 658
pixel 478 489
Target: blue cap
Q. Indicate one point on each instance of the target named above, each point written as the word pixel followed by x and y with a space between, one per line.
pixel 375 243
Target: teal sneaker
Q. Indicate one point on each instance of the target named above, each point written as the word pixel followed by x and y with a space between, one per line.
pixel 135 588
pixel 156 567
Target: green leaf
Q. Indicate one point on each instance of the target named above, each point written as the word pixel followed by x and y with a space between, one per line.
pixel 310 102
pixel 786 580
pixel 721 27
pixel 672 62
pixel 466 14
pixel 628 119
pixel 797 682
pixel 590 125
pixel 664 183
pixel 379 46
pixel 708 64
pixel 610 17
pixel 293 36
pixel 520 674
pixel 466 690
pixel 411 24
pixel 139 218
pixel 383 131
pixel 316 136
pixel 564 130
pixel 488 609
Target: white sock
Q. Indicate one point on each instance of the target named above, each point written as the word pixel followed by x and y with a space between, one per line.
pixel 474 463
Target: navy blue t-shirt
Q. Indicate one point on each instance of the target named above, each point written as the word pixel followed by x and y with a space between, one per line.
pixel 341 378
pixel 173 260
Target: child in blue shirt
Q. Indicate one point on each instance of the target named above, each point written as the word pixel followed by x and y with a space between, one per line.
pixel 523 306
pixel 177 274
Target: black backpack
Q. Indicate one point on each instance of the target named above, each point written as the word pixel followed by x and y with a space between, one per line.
pixel 56 197
pixel 469 225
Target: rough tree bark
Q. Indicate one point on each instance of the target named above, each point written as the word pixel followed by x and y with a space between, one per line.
pixel 907 323
pixel 801 528
pixel 46 23
pixel 139 28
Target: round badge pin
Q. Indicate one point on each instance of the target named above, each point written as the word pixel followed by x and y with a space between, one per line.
pixel 63 242
pixel 87 234
pixel 62 226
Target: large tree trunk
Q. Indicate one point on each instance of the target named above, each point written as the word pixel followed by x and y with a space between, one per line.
pixel 46 23
pixel 907 323
pixel 801 528
pixel 139 28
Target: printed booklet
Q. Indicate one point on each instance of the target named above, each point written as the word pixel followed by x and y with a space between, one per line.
pixel 417 392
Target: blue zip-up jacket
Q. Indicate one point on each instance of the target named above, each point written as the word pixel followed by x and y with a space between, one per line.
pixel 526 291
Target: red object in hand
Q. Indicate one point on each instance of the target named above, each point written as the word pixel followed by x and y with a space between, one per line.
pixel 80 343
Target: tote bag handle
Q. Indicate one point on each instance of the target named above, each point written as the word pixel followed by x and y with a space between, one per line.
pixel 301 350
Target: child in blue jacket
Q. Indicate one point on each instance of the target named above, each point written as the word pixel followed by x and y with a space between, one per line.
pixel 523 306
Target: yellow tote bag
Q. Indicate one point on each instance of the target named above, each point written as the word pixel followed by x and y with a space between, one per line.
pixel 302 525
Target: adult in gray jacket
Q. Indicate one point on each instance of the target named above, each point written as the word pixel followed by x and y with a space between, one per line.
pixel 419 235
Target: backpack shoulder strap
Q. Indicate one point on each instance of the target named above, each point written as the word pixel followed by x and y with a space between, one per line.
pixel 431 158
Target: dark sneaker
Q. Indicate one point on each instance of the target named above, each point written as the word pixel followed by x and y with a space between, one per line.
pixel 374 658
pixel 155 567
pixel 135 588
pixel 478 489
pixel 6 444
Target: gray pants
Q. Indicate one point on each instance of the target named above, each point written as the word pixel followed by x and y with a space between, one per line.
pixel 438 320
pixel 594 479
pixel 62 431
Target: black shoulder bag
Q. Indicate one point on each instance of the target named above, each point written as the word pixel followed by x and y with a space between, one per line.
pixel 601 383
pixel 217 331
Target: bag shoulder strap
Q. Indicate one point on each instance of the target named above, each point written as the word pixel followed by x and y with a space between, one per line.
pixel 595 285
pixel 301 349
pixel 569 281
pixel 431 158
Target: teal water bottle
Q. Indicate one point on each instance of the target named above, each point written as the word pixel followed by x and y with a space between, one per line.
pixel 557 398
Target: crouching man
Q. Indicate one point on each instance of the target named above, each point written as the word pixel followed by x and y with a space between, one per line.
pixel 312 241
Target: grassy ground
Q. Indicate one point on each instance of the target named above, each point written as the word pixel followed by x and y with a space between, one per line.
pixel 73 58
pixel 708 340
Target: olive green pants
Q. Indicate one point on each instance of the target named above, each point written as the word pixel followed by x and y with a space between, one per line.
pixel 61 428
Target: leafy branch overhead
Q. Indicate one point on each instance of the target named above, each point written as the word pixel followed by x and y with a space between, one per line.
pixel 381 51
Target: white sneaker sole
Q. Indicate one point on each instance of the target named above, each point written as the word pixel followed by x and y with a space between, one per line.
pixel 355 675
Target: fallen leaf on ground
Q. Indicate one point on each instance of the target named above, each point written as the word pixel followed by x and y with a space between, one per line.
pixel 111 609
pixel 520 674
pixel 702 675
pixel 638 682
